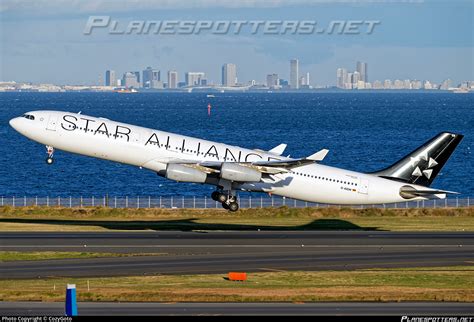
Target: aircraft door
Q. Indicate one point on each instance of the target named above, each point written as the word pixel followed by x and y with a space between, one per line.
pixel 364 186
pixel 52 122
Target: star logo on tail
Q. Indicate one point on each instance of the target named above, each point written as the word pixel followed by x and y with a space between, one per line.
pixel 426 172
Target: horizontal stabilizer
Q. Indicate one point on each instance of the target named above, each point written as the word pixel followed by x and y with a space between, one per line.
pixel 411 192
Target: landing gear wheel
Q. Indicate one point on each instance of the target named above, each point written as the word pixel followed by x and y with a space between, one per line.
pixel 233 206
pixel 222 197
pixel 50 152
pixel 225 206
pixel 215 195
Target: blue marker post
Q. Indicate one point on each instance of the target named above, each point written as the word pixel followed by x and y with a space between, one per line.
pixel 71 304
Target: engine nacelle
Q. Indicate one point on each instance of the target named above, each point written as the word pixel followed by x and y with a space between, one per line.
pixel 235 172
pixel 182 173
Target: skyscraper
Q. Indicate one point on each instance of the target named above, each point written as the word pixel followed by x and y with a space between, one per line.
pixel 272 80
pixel 341 77
pixel 110 78
pixel 229 74
pixel 151 77
pixel 130 80
pixel 294 74
pixel 137 75
pixel 172 79
pixel 356 77
pixel 362 69
pixel 194 78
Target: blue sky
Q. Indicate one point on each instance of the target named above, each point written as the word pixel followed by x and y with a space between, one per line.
pixel 43 41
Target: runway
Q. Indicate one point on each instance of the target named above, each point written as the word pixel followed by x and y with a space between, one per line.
pixel 324 308
pixel 221 252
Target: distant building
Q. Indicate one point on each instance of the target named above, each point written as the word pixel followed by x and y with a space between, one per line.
pixel 348 83
pixel 130 80
pixel 341 75
pixel 416 84
pixel 356 77
pixel 229 75
pixel 272 80
pixel 387 84
pixel 302 81
pixel 377 85
pixel 157 84
pixel 151 78
pixel 407 84
pixel 294 74
pixel 362 69
pixel 427 85
pixel 110 79
pixel 194 78
pixel 172 79
pixel 446 84
pixel 398 84
pixel 137 74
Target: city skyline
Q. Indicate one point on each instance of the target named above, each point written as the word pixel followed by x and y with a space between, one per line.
pixel 345 79
pixel 150 78
pixel 427 40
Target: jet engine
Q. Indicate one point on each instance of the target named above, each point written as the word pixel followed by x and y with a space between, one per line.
pixel 235 172
pixel 182 173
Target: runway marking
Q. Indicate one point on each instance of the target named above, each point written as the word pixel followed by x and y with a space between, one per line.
pixel 273 270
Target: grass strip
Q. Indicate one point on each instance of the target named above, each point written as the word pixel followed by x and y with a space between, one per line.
pixel 282 218
pixel 424 284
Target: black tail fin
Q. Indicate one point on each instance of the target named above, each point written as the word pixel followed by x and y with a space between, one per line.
pixel 423 164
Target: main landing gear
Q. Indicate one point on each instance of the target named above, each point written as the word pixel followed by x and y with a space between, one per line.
pixel 228 201
pixel 50 152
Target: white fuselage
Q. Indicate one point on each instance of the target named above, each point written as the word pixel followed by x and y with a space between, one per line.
pixel 154 149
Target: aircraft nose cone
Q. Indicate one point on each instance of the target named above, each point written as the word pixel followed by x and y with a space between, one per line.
pixel 14 123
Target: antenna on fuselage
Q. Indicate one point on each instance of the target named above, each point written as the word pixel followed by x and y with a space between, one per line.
pixel 79 112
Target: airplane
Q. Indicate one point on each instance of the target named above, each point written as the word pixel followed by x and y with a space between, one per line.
pixel 232 168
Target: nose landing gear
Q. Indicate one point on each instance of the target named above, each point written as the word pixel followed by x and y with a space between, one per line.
pixel 50 152
pixel 228 200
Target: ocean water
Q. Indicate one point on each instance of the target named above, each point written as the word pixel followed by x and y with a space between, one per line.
pixel 363 131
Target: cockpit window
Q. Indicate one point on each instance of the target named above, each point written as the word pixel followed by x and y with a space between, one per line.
pixel 28 116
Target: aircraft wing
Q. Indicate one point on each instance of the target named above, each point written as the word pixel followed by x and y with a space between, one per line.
pixel 294 163
pixel 268 167
pixel 278 150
